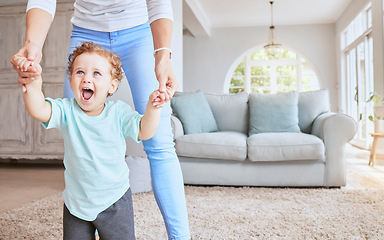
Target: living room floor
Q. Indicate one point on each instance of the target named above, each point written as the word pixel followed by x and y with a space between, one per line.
pixel 23 182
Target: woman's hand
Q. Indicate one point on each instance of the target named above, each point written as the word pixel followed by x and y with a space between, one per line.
pixel 26 73
pixel 168 83
pixel 23 65
pixel 162 34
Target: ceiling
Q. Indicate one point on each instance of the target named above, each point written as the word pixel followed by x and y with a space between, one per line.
pixel 230 13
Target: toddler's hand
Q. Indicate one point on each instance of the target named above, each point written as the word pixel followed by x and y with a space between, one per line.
pixel 25 65
pixel 158 99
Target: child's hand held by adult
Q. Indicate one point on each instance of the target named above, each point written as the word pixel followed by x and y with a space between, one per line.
pixel 24 65
pixel 160 99
pixel 156 99
pixel 21 62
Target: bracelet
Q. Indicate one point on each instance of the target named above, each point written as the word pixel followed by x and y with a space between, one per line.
pixel 163 48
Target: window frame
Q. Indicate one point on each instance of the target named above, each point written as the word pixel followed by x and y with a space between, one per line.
pixel 297 62
pixel 356 33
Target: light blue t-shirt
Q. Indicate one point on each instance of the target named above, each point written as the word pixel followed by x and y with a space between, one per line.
pixel 96 174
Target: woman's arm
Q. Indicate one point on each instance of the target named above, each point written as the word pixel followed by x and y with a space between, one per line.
pixel 38 24
pixel 162 34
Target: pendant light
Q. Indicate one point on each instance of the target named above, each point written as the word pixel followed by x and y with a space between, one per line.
pixel 272 48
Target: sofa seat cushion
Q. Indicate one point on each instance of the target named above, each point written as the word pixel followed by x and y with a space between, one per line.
pixel 285 147
pixel 223 145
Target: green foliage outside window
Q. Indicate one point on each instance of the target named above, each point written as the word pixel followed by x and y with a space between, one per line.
pixel 262 55
pixel 236 82
pixel 288 70
pixel 286 84
pixel 285 74
pixel 260 84
pixel 236 90
pixel 239 71
pixel 307 84
pixel 261 70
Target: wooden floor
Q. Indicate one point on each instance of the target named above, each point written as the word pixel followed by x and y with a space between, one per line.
pixel 359 174
pixel 23 182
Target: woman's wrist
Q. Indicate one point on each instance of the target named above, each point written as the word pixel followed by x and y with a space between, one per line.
pixel 34 50
pixel 163 51
pixel 162 58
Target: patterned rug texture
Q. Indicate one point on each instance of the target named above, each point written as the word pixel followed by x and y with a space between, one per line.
pixel 231 213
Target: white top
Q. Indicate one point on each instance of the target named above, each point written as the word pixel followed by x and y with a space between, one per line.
pixel 111 15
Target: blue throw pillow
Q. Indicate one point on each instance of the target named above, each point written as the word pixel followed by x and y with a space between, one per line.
pixel 194 113
pixel 273 112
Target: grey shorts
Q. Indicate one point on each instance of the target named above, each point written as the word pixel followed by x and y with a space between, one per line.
pixel 115 222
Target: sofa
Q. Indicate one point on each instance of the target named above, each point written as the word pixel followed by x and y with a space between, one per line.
pixel 281 140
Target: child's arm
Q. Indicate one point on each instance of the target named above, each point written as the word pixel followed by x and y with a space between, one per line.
pixel 150 121
pixel 34 98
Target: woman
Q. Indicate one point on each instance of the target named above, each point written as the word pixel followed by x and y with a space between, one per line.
pixel 140 33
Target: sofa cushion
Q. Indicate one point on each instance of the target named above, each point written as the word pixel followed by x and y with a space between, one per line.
pixel 222 145
pixel 285 147
pixel 230 111
pixel 194 112
pixel 273 112
pixel 311 105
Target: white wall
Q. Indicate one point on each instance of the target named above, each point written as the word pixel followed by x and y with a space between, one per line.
pixel 207 60
pixel 177 41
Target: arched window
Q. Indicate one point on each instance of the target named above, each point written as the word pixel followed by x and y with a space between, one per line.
pixel 262 73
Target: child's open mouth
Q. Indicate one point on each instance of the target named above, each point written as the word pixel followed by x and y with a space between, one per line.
pixel 87 93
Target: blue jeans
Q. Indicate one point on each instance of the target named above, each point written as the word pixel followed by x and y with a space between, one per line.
pixel 135 49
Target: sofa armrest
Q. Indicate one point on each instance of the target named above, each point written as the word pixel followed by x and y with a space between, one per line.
pixel 177 127
pixel 335 129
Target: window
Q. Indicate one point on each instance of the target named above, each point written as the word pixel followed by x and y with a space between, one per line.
pixel 357 73
pixel 359 26
pixel 259 72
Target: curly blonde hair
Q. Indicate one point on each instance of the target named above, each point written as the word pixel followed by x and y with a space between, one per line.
pixel 90 47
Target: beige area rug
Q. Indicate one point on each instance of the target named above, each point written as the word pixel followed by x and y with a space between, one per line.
pixel 231 213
